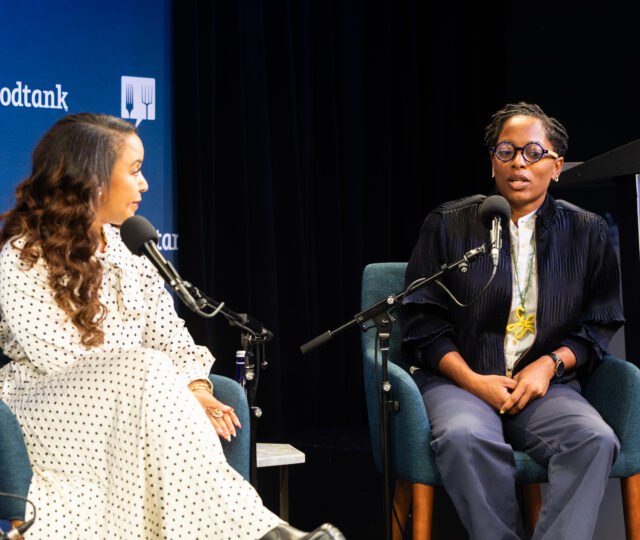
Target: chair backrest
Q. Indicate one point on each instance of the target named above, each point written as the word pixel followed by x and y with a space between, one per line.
pixel 411 457
pixel 15 469
pixel 614 390
pixel 378 281
pixel 237 451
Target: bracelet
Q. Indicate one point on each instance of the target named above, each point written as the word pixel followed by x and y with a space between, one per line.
pixel 199 387
pixel 201 384
pixel 195 388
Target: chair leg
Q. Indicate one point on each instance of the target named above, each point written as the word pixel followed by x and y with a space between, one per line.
pixel 532 503
pixel 631 506
pixel 401 503
pixel 422 511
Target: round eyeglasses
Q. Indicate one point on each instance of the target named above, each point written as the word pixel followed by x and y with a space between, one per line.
pixel 531 152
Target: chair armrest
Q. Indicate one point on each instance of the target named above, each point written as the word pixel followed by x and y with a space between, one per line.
pixel 614 390
pixel 237 451
pixel 15 468
pixel 412 457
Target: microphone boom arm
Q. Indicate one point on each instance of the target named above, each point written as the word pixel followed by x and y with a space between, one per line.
pixel 392 301
pixel 241 320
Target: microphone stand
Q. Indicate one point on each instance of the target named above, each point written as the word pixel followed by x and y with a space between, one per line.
pixel 380 313
pixel 250 359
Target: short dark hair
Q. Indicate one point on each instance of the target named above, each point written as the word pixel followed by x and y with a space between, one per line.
pixel 554 130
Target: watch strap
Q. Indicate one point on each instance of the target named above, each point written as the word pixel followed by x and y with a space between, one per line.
pixel 557 360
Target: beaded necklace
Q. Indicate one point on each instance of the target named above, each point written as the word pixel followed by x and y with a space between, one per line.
pixel 523 325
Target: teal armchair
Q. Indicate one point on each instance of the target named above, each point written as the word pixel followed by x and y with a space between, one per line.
pixel 613 389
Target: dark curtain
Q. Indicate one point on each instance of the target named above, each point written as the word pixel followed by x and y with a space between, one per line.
pixel 312 137
pixel 311 140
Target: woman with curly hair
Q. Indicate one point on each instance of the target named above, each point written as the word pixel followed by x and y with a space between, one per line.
pixel 111 393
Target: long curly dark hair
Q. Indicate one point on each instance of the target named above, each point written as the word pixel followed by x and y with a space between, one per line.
pixel 57 205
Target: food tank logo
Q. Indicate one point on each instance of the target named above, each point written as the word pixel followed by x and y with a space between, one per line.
pixel 23 96
pixel 138 98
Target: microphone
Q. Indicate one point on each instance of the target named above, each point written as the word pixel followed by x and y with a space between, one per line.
pixel 16 532
pixel 493 212
pixel 141 239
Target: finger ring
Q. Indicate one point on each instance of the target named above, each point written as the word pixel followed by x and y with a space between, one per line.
pixel 215 412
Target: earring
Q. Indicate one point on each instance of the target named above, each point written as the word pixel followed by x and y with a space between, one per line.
pixel 493 173
pixel 555 178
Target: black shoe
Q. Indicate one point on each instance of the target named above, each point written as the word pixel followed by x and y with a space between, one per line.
pixel 287 532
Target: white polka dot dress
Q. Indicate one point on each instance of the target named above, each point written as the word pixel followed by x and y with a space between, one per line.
pixel 119 446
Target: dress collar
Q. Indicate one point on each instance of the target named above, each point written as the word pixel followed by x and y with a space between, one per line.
pixel 115 253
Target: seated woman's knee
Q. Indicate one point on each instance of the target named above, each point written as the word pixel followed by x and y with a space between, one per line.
pixel 467 436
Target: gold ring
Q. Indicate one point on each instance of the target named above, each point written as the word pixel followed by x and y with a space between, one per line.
pixel 215 412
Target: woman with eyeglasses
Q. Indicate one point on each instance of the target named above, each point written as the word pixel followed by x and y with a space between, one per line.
pixel 504 373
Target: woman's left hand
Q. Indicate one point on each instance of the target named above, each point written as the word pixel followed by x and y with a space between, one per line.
pixel 532 383
pixel 222 417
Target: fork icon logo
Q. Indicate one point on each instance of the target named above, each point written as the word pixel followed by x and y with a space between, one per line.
pixel 138 98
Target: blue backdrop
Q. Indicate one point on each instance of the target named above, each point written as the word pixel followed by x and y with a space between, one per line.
pixel 73 56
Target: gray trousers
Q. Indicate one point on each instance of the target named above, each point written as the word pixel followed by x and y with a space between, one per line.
pixel 474 447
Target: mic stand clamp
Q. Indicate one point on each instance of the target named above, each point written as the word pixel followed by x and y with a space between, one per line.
pixel 380 313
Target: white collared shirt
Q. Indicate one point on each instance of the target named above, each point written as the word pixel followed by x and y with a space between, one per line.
pixel 523 248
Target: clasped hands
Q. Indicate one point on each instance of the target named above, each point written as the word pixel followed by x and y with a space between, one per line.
pixel 510 396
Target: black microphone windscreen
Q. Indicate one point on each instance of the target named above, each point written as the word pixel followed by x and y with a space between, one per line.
pixel 135 232
pixel 496 205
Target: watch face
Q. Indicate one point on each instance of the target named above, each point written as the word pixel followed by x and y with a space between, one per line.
pixel 559 368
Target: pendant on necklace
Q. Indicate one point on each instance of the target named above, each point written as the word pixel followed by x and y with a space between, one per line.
pixel 520 328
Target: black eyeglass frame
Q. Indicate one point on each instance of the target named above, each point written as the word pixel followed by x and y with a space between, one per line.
pixel 545 152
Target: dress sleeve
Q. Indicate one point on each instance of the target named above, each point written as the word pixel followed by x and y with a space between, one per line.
pixel 166 332
pixel 39 328
pixel 602 313
pixel 427 330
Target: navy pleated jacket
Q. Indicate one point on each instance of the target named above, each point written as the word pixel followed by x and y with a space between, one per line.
pixel 578 289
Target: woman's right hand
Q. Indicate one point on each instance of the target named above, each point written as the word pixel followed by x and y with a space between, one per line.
pixel 493 389
pixel 225 424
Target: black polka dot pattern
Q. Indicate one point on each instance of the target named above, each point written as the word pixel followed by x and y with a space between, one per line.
pixel 118 444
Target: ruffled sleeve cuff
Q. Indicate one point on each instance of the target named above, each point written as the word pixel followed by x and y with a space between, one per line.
pixel 580 349
pixel 194 362
pixel 430 354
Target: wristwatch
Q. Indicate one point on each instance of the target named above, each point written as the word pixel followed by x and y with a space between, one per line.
pixel 559 369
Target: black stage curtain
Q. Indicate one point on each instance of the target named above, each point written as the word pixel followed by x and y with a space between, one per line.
pixel 312 137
